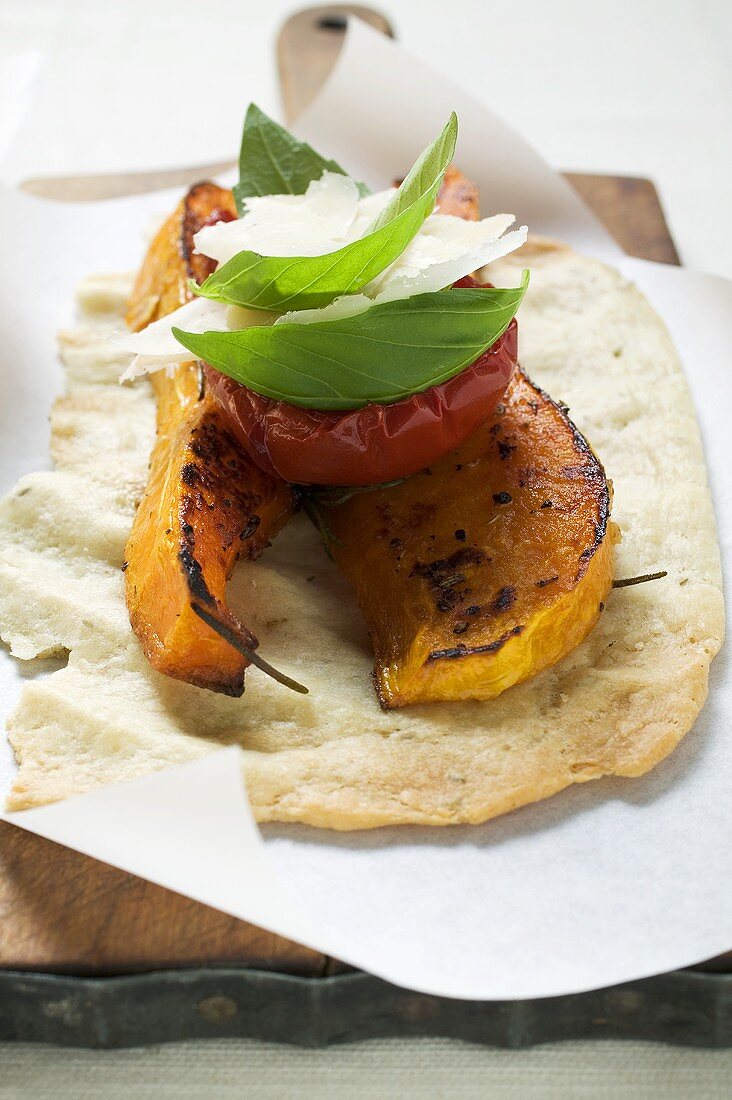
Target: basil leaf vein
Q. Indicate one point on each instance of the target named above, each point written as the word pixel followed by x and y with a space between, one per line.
pixel 284 283
pixel 390 351
pixel 273 162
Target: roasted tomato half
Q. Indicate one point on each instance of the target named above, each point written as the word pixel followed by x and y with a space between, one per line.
pixel 377 443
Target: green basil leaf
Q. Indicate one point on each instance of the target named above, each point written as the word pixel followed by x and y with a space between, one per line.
pixel 284 283
pixel 388 352
pixel 273 162
pixel 425 176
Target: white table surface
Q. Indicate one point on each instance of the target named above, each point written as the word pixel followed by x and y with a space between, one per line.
pixel 637 87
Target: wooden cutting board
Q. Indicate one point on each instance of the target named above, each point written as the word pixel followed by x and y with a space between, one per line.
pixel 61 911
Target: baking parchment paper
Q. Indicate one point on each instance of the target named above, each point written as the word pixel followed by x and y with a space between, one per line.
pixel 604 883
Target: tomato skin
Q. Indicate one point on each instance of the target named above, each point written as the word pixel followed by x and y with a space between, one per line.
pixel 373 444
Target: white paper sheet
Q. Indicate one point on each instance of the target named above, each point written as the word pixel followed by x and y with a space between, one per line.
pixel 381 106
pixel 606 882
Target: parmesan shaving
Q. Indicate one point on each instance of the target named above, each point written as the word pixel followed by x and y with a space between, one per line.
pixel 434 260
pixel 287 225
pixel 156 347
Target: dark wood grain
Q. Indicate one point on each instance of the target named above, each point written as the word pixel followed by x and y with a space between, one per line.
pixel 631 210
pixel 61 911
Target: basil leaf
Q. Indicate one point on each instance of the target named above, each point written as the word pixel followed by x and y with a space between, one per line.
pixel 388 352
pixel 273 162
pixel 284 283
pixel 425 176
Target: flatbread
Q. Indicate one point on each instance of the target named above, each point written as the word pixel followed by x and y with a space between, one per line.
pixel 616 706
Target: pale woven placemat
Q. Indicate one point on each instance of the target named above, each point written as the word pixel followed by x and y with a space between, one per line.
pixel 428 1069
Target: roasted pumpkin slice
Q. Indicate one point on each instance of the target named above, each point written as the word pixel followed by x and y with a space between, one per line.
pixel 458 196
pixel 162 283
pixel 206 503
pixel 492 565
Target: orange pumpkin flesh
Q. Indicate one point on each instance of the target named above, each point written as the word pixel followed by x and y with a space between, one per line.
pixel 458 196
pixel 489 567
pixel 206 504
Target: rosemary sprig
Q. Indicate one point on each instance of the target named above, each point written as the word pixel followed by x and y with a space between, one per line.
pixel 225 631
pixel 315 512
pixel 626 582
pixel 315 500
pixel 333 495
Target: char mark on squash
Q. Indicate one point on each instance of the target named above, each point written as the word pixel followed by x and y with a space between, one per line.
pixel 436 571
pixel 197 267
pixel 505 599
pixel 190 474
pixel 593 472
pixel 463 650
pixel 194 576
pixel 445 577
pixel 252 525
pixel 600 531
